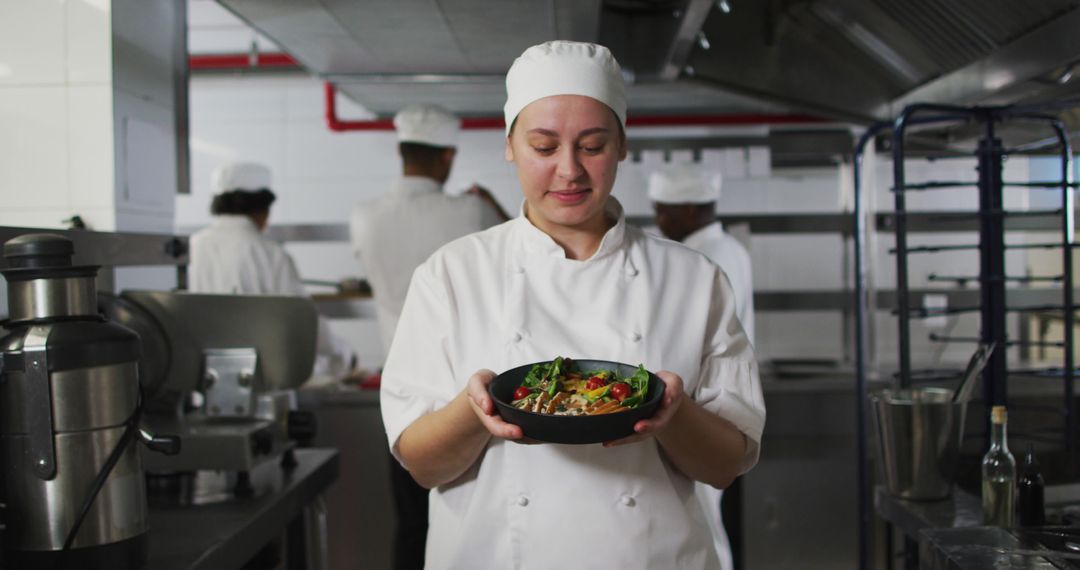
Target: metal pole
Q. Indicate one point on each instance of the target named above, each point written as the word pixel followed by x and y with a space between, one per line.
pixel 903 311
pixel 863 467
pixel 1067 236
pixel 992 263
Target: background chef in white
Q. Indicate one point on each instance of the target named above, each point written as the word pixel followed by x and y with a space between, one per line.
pixel 232 256
pixel 684 200
pixel 394 234
pixel 569 277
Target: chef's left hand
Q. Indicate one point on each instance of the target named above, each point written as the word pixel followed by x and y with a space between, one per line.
pixel 669 404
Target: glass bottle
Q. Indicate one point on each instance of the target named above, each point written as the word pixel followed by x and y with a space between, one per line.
pixel 998 475
pixel 1031 490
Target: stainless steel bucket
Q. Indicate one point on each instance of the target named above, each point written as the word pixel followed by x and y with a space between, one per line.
pixel 918 432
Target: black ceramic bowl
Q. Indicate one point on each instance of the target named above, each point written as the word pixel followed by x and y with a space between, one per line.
pixel 574 429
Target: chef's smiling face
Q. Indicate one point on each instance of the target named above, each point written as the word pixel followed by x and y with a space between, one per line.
pixel 566 149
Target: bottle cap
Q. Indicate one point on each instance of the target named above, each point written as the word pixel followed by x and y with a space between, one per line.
pixel 998 415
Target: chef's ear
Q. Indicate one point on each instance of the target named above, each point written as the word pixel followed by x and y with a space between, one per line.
pixel 508 153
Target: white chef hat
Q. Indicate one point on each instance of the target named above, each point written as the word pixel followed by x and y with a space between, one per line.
pixel 564 68
pixel 684 184
pixel 427 124
pixel 240 176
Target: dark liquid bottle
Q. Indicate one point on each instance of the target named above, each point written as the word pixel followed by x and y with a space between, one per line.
pixel 1030 499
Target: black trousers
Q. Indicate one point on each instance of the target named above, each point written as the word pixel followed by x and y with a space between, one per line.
pixel 411 504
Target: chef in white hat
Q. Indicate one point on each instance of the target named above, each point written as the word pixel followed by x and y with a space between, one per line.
pixel 569 277
pixel 684 201
pixel 233 256
pixel 394 234
pixel 684 198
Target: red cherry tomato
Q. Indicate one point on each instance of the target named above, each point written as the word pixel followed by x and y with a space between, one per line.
pixel 620 391
pixel 520 393
pixel 595 382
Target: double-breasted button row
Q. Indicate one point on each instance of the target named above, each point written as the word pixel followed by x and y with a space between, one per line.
pixel 626 500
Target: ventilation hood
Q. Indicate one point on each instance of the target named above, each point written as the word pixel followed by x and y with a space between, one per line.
pixel 851 60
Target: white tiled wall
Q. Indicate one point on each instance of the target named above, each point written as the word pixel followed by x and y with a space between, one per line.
pixel 55 113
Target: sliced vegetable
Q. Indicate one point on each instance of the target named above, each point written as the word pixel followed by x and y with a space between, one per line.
pixel 594 395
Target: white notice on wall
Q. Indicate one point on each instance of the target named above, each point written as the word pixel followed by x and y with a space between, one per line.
pixel 936 305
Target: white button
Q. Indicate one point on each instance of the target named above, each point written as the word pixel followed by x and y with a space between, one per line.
pixel 516 337
pixel 632 272
pixel 523 501
pixel 519 269
pixel 628 500
pixel 635 337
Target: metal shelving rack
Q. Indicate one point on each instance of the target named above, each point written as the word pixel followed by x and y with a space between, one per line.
pixel 992 221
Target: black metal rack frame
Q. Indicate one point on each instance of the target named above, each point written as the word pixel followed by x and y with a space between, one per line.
pixel 992 305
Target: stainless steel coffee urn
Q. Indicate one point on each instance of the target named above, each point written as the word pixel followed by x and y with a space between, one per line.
pixel 70 472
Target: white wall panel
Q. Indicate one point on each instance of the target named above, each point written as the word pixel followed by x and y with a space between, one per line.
pixel 32 39
pixel 231 100
pixel 90 146
pixel 312 149
pixel 33 147
pixel 88 45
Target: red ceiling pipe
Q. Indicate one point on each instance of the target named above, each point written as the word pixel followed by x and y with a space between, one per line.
pixel 338 125
pixel 241 61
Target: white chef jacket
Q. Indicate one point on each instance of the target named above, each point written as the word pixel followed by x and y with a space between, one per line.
pixel 509 296
pixel 725 251
pixel 395 233
pixel 232 257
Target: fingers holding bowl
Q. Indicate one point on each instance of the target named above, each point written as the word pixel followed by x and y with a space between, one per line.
pixel 476 389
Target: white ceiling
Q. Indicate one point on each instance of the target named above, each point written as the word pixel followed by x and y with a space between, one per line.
pixel 213 29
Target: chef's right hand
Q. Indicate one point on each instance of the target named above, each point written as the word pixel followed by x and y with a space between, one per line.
pixel 476 389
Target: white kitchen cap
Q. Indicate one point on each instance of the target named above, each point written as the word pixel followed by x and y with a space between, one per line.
pixel 684 184
pixel 427 124
pixel 564 68
pixel 249 176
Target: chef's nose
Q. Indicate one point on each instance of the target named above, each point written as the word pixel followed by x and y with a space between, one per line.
pixel 569 166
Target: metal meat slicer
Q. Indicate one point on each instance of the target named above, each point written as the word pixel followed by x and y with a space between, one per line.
pixel 218 372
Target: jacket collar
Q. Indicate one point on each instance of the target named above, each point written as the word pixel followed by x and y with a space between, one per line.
pixel 413 185
pixel 233 222
pixel 712 231
pixel 535 242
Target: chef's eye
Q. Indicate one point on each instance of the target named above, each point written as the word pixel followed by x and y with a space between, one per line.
pixel 592 146
pixel 545 150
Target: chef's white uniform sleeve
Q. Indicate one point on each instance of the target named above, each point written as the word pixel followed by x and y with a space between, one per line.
pixel 417 378
pixel 729 385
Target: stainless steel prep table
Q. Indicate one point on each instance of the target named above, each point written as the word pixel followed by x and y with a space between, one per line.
pixel 227 535
pixel 978 548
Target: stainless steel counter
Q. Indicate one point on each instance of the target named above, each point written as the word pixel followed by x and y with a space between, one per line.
pixel 962 509
pixel 979 548
pixel 227 535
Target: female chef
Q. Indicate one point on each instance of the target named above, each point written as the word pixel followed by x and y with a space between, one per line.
pixel 569 277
